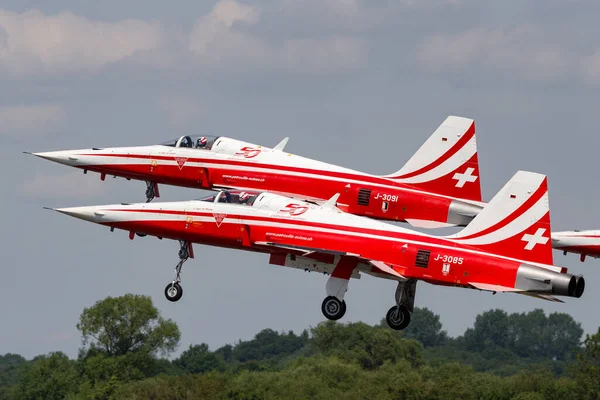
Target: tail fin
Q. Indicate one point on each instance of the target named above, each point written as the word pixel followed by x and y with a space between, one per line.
pixel 446 163
pixel 515 223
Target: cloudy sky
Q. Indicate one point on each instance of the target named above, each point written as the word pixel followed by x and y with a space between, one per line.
pixel 357 83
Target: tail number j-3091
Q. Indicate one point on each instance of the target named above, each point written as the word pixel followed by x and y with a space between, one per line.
pixel 386 197
pixel 449 259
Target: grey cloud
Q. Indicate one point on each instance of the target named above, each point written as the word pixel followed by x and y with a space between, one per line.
pixel 30 119
pixel 69 42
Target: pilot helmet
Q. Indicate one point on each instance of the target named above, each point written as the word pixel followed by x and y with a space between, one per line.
pixel 201 142
pixel 243 196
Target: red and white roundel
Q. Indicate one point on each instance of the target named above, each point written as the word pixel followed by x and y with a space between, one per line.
pixel 294 209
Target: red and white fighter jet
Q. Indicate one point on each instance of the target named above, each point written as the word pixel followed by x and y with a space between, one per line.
pixel 584 243
pixel 506 248
pixel 438 186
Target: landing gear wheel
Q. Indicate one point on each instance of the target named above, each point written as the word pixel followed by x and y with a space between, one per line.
pixel 173 291
pixel 398 317
pixel 333 308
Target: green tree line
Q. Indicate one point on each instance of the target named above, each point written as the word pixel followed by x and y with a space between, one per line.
pixel 126 346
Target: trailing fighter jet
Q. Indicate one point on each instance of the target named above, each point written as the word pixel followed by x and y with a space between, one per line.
pixel 506 248
pixel 438 186
pixel 585 243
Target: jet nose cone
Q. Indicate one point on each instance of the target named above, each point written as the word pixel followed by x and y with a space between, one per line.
pixel 61 157
pixel 89 213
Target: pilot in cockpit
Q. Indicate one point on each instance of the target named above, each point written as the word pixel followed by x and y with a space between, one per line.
pixel 201 142
pixel 186 142
pixel 243 197
pixel 225 197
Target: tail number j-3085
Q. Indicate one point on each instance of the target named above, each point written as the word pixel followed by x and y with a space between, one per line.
pixel 386 197
pixel 449 259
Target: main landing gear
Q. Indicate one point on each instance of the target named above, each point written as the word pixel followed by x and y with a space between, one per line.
pixel 174 291
pixel 333 308
pixel 398 317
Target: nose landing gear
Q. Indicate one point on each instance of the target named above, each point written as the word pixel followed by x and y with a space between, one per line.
pixel 151 191
pixel 174 291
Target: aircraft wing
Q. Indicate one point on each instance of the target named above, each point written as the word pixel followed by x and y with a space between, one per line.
pixel 497 288
pixel 543 297
pixel 306 251
pixel 493 288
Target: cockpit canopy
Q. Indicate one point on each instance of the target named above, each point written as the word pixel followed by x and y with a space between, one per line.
pixel 193 142
pixel 232 197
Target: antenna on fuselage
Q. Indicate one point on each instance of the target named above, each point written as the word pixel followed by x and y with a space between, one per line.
pixel 331 202
pixel 281 145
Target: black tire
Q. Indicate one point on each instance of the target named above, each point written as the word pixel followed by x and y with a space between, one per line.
pixel 173 292
pixel 332 308
pixel 398 318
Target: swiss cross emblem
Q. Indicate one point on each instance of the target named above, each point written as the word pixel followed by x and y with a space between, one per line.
pixel 180 161
pixel 219 218
pixel 535 239
pixel 467 176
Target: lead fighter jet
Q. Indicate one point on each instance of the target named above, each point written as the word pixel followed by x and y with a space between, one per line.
pixel 438 186
pixel 506 248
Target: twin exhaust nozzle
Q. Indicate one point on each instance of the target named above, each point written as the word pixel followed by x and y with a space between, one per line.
pixel 576 286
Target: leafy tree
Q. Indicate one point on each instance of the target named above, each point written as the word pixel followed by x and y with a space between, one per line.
pixel 130 323
pixel 51 376
pixel 563 334
pixel 535 335
pixel 104 374
pixel 199 359
pixel 490 329
pixel 529 335
pixel 370 346
pixel 124 335
pixel 425 326
pixel 268 344
pixel 186 387
pixel 9 365
pixel 226 352
pixel 587 369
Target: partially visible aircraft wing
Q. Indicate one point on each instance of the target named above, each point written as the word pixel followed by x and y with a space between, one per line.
pixel 306 251
pixel 498 288
pixel 493 288
pixel 543 297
